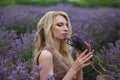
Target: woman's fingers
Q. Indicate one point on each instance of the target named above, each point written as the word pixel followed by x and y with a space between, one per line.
pixel 88 45
pixel 87 64
pixel 84 60
pixel 83 53
pixel 88 55
pixel 78 53
pixel 87 59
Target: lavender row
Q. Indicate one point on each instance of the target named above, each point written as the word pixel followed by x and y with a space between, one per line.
pixel 98 24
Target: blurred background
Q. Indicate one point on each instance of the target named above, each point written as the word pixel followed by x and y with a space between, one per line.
pixel 80 3
pixel 96 21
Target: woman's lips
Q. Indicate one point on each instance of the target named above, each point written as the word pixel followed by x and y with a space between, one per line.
pixel 65 34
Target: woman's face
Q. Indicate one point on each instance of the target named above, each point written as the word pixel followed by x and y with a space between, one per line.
pixel 60 27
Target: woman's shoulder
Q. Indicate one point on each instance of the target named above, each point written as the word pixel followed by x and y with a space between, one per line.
pixel 45 58
pixel 45 54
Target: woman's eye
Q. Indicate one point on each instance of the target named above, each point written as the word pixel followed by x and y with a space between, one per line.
pixel 60 24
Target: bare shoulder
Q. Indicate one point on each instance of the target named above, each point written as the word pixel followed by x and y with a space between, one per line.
pixel 45 56
pixel 46 61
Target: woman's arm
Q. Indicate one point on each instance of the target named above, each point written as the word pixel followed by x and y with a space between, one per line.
pixel 46 61
pixel 81 62
pixel 79 75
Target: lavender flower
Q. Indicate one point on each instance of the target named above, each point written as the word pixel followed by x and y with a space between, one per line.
pixel 110 57
pixel 76 42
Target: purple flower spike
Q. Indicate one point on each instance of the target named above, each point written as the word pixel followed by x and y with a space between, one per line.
pixel 76 42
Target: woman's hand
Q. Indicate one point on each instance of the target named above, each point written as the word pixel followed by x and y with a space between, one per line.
pixel 88 47
pixel 82 61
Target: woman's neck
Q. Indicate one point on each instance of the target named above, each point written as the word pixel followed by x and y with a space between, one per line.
pixel 57 45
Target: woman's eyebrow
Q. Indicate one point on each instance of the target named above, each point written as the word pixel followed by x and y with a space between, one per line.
pixel 62 23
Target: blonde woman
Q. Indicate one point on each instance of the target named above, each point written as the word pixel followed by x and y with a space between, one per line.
pixel 52 52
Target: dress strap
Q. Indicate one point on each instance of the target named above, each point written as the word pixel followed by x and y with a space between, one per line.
pixel 38 57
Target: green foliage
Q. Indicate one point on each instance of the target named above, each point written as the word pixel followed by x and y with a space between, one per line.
pixel 7 2
pixel 27 56
pixel 3 44
pixel 97 3
pixel 81 3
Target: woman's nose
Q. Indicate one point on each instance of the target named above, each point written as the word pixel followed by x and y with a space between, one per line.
pixel 66 28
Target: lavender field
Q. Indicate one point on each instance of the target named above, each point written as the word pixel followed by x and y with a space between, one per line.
pixel 98 26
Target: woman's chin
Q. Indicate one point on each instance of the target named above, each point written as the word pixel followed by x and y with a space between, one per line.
pixel 62 38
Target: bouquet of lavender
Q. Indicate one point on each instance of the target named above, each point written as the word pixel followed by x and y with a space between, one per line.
pixel 76 42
